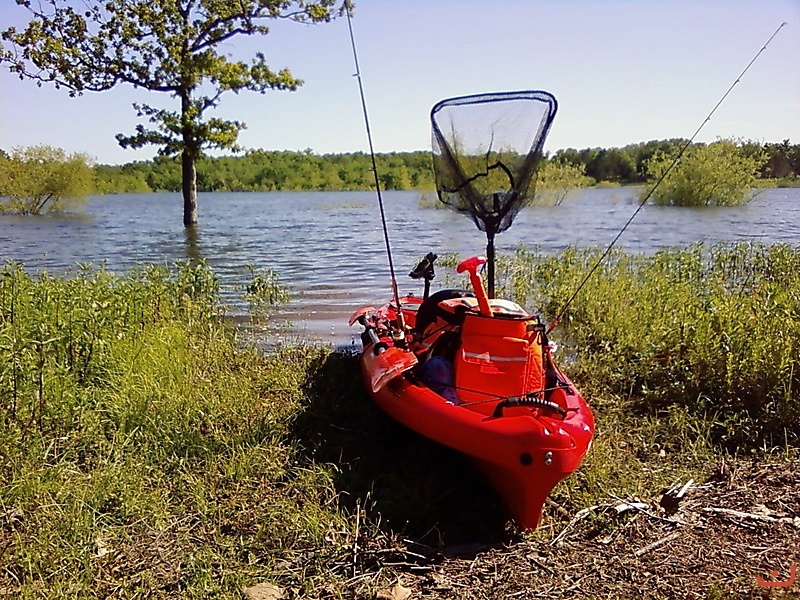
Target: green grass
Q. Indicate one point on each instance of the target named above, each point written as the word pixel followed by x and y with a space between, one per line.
pixel 714 330
pixel 145 450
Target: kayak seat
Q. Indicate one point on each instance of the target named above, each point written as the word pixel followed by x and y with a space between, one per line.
pixel 446 345
pixel 500 308
pixel 431 310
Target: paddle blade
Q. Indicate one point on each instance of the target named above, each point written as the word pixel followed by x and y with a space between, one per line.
pixel 360 313
pixel 388 365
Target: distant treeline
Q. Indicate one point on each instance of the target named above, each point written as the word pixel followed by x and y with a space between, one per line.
pixel 627 165
pixel 260 170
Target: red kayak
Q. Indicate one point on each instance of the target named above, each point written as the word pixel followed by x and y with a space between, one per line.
pixel 477 375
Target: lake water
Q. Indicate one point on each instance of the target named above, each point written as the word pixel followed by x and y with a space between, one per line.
pixel 328 247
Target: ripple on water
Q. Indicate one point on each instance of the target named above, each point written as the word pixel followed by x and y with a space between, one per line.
pixel 328 247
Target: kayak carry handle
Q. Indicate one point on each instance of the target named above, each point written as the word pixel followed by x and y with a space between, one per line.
pixel 471 266
pixel 361 312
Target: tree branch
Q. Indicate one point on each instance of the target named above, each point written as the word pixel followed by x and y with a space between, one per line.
pixel 42 204
pixel 213 41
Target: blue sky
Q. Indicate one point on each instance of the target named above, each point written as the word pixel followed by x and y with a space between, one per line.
pixel 623 71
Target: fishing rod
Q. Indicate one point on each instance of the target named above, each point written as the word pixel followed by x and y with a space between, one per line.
pixel 674 162
pixel 357 74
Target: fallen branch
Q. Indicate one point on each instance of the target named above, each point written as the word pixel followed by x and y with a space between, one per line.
pixel 752 516
pixel 581 514
pixel 584 512
pixel 642 508
pixel 656 544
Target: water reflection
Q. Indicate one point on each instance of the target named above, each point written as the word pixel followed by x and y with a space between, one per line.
pixel 192 235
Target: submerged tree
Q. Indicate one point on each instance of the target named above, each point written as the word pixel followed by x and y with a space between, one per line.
pixel 43 179
pixel 555 180
pixel 171 46
pixel 717 174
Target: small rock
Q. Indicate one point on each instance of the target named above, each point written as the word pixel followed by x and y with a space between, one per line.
pixel 396 592
pixel 263 591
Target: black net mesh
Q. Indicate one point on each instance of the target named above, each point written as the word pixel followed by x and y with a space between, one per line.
pixel 486 149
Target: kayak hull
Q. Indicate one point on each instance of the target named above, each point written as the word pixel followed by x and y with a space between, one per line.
pixel 524 451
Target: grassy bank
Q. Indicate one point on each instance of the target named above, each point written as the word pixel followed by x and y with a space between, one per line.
pixel 145 451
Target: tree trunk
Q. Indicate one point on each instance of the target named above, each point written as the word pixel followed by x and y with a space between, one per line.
pixel 189 174
pixel 189 155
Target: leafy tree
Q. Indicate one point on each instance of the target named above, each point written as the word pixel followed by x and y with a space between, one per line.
pixel 43 179
pixel 112 180
pixel 556 179
pixel 261 170
pixel 783 160
pixel 621 165
pixel 720 173
pixel 612 165
pixel 175 47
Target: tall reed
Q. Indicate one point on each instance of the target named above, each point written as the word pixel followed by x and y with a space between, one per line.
pixel 713 328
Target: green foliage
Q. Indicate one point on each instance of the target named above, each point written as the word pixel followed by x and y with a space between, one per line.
pixel 71 323
pixel 160 46
pixel 787 182
pixel 627 165
pixel 264 291
pixel 42 179
pixel 556 179
pixel 617 165
pixel 554 182
pixel 143 447
pixel 260 170
pixel 146 449
pixel 113 180
pixel 783 161
pixel 719 174
pixel 715 330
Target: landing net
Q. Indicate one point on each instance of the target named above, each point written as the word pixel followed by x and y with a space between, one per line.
pixel 486 150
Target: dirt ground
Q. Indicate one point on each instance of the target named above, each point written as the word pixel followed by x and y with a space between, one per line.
pixel 735 535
